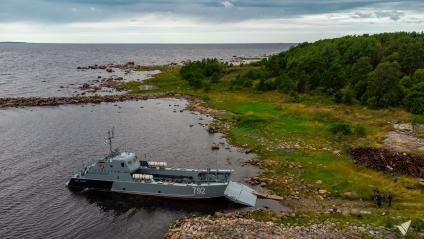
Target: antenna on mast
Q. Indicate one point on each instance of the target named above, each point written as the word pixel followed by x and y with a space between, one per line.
pixel 110 136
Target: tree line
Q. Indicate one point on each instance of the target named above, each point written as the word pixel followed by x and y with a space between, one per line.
pixel 378 71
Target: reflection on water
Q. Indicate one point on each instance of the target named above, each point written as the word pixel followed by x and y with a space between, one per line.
pixel 128 204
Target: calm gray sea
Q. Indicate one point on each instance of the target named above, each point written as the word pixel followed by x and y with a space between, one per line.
pixel 41 147
pixel 40 69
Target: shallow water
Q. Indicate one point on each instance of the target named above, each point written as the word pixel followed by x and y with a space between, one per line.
pixel 41 69
pixel 43 146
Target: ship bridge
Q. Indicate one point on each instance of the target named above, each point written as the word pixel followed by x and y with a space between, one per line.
pixel 128 160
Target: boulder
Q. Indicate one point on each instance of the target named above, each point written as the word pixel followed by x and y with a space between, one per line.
pixel 85 86
pixel 215 146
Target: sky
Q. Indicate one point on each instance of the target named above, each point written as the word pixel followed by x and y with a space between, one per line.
pixel 202 21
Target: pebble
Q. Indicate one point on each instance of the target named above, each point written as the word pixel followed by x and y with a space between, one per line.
pixel 228 225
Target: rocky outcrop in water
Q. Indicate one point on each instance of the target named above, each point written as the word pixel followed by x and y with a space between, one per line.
pixel 51 101
pixel 195 104
pixel 109 67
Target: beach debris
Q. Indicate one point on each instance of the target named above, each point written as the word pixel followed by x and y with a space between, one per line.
pixel 389 161
pixel 268 196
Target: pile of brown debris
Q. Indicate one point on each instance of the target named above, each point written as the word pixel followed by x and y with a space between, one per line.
pixel 389 161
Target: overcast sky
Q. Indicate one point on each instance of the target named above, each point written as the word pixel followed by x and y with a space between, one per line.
pixel 202 21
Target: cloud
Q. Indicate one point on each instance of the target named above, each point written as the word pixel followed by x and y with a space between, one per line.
pixel 55 11
pixel 178 21
pixel 227 4
pixel 394 15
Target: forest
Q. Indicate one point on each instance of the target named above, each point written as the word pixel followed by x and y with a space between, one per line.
pixel 382 70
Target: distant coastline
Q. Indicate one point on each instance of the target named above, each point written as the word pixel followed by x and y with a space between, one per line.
pixel 118 43
pixel 8 42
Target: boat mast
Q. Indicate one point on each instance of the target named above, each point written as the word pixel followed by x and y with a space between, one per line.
pixel 109 138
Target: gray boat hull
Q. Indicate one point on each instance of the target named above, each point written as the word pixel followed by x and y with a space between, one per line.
pixel 171 190
pixel 123 173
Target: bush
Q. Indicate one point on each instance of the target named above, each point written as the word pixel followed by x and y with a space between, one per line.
pixel 256 74
pixel 341 128
pixel 348 96
pixel 414 100
pixel 384 89
pixel 417 224
pixel 406 82
pixel 360 131
pixel 199 71
pixel 418 76
pixel 286 84
pixel 266 84
pixel 206 86
pixel 338 97
pixel 196 83
pixel 206 98
pixel 360 88
pixel 418 119
pixel 215 78
pixel 240 82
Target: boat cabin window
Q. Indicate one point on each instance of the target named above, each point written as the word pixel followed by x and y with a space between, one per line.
pixel 122 164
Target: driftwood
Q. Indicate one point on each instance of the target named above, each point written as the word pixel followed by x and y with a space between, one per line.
pixel 389 161
pixel 268 196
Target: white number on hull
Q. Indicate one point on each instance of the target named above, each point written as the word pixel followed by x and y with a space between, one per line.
pixel 199 190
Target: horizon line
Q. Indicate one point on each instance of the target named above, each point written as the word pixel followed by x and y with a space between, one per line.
pixel 149 43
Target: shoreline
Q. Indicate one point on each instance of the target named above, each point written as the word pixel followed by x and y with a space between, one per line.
pixel 310 199
pixel 19 102
pixel 239 225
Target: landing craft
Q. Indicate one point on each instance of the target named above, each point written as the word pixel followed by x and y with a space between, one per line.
pixel 122 172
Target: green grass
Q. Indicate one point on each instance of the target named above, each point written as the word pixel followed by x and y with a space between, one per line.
pixel 295 140
pixel 168 80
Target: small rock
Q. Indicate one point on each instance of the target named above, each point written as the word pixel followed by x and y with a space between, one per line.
pixel 355 211
pixel 363 212
pixel 218 214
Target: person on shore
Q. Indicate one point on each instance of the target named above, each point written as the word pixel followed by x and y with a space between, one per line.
pixel 389 198
pixel 377 198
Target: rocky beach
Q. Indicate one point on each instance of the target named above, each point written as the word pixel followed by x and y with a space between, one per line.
pixel 236 225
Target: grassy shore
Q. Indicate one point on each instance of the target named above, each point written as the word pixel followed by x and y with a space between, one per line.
pixel 294 140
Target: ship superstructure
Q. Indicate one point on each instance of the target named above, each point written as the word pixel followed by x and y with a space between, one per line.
pixel 123 172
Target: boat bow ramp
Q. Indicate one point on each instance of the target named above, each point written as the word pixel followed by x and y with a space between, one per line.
pixel 240 193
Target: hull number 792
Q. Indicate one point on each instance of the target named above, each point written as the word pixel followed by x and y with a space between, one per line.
pixel 199 190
